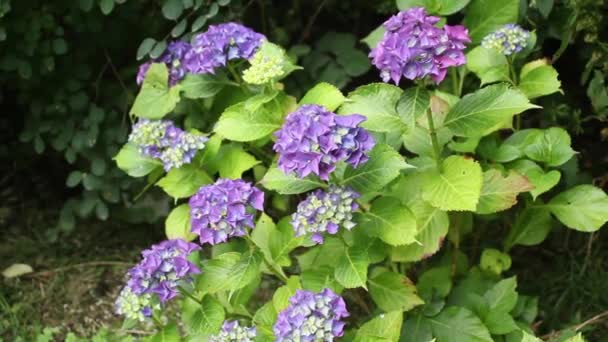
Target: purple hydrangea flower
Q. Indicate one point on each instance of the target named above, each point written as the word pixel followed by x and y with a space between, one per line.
pixel 324 211
pixel 224 209
pixel 173 57
pixel 414 48
pixel 507 40
pixel 314 140
pixel 163 268
pixel 162 140
pixel 311 317
pixel 220 44
pixel 233 332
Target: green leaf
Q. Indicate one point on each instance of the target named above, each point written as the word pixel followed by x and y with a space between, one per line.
pixel 156 99
pixel 177 225
pixel 457 324
pixel 351 269
pixel 184 182
pixel 280 299
pixel 158 49
pixel 324 94
pixel 377 102
pixel 494 261
pixel 172 9
pixel 531 227
pixel 283 241
pixel 435 281
pixel 205 318
pixel 500 323
pixel 374 37
pixel 502 297
pixel 180 28
pixel 488 64
pixel 485 16
pixel 327 254
pixel 499 193
pixel 541 181
pixel 229 271
pixel 418 140
pixel 486 110
pixel 390 221
pixel 583 208
pixel 382 328
pixel 168 333
pixel 552 147
pixel 202 86
pixel 441 7
pixel 277 180
pixel 145 47
pixel 413 103
pixel 106 6
pixel 457 187
pixel 393 292
pixel 383 166
pixel 320 278
pixel 539 79
pixel 254 118
pixel 134 163
pixel 233 161
pixel 73 179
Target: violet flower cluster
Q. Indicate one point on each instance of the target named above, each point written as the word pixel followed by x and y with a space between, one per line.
pixel 507 40
pixel 224 209
pixel 414 48
pixel 161 139
pixel 220 44
pixel 324 211
pixel 311 317
pixel 164 267
pixel 173 58
pixel 233 332
pixel 314 140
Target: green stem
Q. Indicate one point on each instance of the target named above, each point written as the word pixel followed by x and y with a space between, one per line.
pixel 157 322
pixel 512 73
pixel 271 266
pixel 189 295
pixel 436 147
pixel 461 83
pixel 235 74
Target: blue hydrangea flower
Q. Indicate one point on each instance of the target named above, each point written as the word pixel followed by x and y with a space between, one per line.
pixel 311 317
pixel 324 211
pixel 224 209
pixel 414 48
pixel 233 332
pixel 133 306
pixel 162 140
pixel 314 140
pixel 173 57
pixel 220 44
pixel 507 40
pixel 164 267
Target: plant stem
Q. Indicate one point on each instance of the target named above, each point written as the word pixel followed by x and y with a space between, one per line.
pixel 189 295
pixel 269 264
pixel 436 147
pixel 234 74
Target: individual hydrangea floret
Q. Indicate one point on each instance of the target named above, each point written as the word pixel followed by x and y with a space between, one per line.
pixel 134 306
pixel 507 40
pixel 324 211
pixel 164 267
pixel 233 332
pixel 173 58
pixel 162 140
pixel 415 48
pixel 314 140
pixel 220 44
pixel 311 317
pixel 224 209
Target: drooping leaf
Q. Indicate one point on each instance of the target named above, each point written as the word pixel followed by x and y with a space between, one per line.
pixel 390 221
pixel 499 193
pixel 324 94
pixel 275 179
pixel 457 324
pixel 377 102
pixel 485 16
pixel 383 166
pixel 583 207
pixel 156 99
pixel 393 292
pixel 457 187
pixel 539 79
pixel 382 328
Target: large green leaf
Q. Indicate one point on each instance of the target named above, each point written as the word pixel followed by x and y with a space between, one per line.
pixel 457 324
pixel 177 225
pixel 382 328
pixel 500 193
pixel 531 227
pixel 229 271
pixel 485 16
pixel 488 64
pixel 393 291
pixel 156 98
pixel 486 110
pixel 233 161
pixel 255 118
pixel 584 208
pixel 134 163
pixel 441 7
pixel 502 296
pixel 281 296
pixel 184 182
pixel 205 318
pixel 327 254
pixel 541 181
pixel 168 333
pixel 537 78
pixel 383 166
pixel 202 86
pixel 414 102
pixel 277 180
pixel 324 94
pixel 500 323
pixel 320 278
pixel 457 187
pixel 552 147
pixel 434 282
pixel 351 269
pixel 390 221
pixel 377 102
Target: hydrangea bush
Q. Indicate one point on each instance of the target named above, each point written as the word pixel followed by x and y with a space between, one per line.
pixel 326 206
